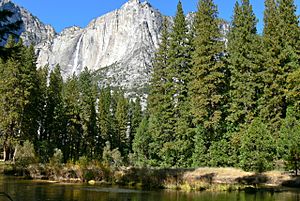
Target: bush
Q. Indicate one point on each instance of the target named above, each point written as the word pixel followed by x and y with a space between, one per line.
pixel 55 167
pixel 57 158
pixel 83 162
pixel 112 157
pixel 25 155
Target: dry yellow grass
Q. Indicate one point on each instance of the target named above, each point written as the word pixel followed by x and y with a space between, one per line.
pixel 216 175
pixel 277 177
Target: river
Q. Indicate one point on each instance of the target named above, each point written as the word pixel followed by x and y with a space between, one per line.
pixel 26 190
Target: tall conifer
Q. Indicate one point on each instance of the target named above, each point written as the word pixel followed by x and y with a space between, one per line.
pixel 159 103
pixel 244 46
pixel 281 35
pixel 208 86
pixel 176 150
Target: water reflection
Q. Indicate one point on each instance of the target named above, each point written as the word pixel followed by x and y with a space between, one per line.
pixel 21 190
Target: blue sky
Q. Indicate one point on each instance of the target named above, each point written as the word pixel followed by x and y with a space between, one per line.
pixel 64 13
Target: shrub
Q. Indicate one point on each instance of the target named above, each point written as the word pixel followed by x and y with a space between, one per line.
pixel 25 155
pixel 112 157
pixel 57 158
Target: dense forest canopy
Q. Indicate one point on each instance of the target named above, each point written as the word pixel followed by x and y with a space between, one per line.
pixel 211 102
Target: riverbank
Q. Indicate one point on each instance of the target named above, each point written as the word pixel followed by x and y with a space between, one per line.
pixel 200 179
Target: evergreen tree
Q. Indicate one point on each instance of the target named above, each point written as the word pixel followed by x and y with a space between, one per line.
pixel 244 60
pixel 169 120
pixel 55 122
pixel 289 140
pixel 121 118
pixel 30 85
pixel 71 95
pixel 136 118
pixel 140 145
pixel 208 85
pixel 41 143
pixel 11 104
pixel 7 29
pixel 176 150
pixel 160 77
pixel 273 96
pixel 293 89
pixel 105 116
pixel 289 34
pixel 257 151
pixel 281 35
pixel 201 148
pixel 159 101
pixel 88 114
pixel 17 77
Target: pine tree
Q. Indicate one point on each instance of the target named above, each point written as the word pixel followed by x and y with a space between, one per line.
pixel 201 149
pixel 55 124
pixel 176 150
pixel 293 89
pixel 273 96
pixel 88 114
pixel 11 105
pixel 288 144
pixel 17 78
pixel 30 87
pixel 140 145
pixel 41 143
pixel 159 101
pixel 105 116
pixel 71 95
pixel 208 85
pixel 281 35
pixel 136 117
pixel 121 118
pixel 257 151
pixel 160 77
pixel 289 34
pixel 169 120
pixel 244 60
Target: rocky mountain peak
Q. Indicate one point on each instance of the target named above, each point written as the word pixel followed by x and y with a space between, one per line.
pixel 118 46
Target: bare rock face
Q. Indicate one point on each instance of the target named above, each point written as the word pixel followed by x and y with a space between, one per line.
pixel 32 30
pixel 119 46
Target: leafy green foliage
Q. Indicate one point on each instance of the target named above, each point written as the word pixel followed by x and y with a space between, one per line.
pixel 25 155
pixel 288 146
pixel 112 157
pixel 57 157
pixel 257 150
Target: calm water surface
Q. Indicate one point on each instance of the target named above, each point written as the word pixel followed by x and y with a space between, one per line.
pixel 21 190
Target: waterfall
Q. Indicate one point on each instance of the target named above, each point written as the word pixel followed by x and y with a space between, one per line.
pixel 76 59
